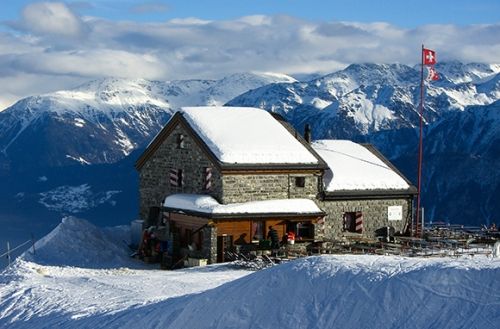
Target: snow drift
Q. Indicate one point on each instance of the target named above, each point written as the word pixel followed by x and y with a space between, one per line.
pixel 76 242
pixel 349 291
pixel 343 291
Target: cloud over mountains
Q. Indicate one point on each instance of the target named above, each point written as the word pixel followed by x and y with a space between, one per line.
pixel 56 47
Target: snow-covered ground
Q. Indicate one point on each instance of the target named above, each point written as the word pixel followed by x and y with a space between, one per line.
pixel 82 277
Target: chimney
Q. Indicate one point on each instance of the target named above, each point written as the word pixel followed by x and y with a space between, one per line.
pixel 307 133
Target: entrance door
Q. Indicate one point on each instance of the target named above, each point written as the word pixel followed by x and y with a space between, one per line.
pixel 224 243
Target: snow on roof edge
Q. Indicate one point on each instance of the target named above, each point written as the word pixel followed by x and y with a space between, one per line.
pixel 208 205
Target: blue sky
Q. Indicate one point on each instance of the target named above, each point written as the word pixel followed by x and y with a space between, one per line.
pixel 53 45
pixel 397 12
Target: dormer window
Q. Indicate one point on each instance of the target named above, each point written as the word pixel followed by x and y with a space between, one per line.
pixel 180 141
pixel 300 181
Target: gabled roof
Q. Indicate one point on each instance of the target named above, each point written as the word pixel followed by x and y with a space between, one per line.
pixel 242 135
pixel 240 138
pixel 359 169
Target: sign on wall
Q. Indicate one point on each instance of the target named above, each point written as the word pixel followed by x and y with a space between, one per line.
pixel 395 212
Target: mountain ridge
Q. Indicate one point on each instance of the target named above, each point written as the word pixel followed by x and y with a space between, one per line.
pixel 87 148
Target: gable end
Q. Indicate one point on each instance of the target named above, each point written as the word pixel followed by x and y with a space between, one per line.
pixel 177 119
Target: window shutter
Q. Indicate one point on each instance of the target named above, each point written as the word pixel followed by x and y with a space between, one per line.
pixel 207 182
pixel 359 222
pixel 174 177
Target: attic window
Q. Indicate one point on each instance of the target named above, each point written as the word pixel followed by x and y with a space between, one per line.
pixel 180 141
pixel 300 181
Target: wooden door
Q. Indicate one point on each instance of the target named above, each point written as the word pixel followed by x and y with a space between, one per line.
pixel 224 242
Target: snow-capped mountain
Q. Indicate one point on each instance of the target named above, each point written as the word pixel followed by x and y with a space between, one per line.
pixel 367 98
pixel 104 120
pixel 462 174
pixel 379 104
pixel 73 151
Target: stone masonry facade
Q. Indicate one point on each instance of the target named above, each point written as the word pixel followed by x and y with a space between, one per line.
pixel 244 188
pixel 374 215
pixel 154 183
pixel 227 188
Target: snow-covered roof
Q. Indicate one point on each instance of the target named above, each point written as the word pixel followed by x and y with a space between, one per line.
pixel 354 167
pixel 208 205
pixel 245 135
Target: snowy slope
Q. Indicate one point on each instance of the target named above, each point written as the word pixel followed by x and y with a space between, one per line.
pixel 317 292
pixel 105 120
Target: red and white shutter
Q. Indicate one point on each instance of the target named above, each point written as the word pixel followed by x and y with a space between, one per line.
pixel 174 177
pixel 207 184
pixel 359 222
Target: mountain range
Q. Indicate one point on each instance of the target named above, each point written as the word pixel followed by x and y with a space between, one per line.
pixel 72 152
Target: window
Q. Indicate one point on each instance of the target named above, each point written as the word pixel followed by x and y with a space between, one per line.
pixel 257 230
pixel 300 181
pixel 176 178
pixel 180 141
pixel 353 222
pixel 305 230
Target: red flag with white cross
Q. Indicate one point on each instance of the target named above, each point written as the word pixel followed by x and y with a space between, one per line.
pixel 429 57
pixel 432 74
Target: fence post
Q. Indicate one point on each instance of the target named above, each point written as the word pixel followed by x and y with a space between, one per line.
pixel 33 242
pixel 423 222
pixel 8 252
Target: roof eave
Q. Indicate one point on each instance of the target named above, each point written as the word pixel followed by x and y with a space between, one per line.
pixel 272 166
pixel 244 215
pixel 369 194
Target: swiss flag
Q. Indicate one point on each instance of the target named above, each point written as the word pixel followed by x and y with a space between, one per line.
pixel 433 75
pixel 429 57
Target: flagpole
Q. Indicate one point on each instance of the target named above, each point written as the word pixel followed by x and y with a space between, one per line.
pixel 420 145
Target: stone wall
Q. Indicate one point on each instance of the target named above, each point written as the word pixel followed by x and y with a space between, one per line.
pixel 210 244
pixel 244 188
pixel 374 215
pixel 154 183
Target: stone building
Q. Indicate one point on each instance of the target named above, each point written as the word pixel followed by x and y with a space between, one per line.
pixel 219 177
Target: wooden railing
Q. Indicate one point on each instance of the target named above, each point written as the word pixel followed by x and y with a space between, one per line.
pixel 9 251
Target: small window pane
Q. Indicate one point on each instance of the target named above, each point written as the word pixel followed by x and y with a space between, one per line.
pixel 180 141
pixel 300 181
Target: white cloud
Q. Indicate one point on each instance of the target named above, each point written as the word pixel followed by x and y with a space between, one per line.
pixel 194 48
pixel 53 18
